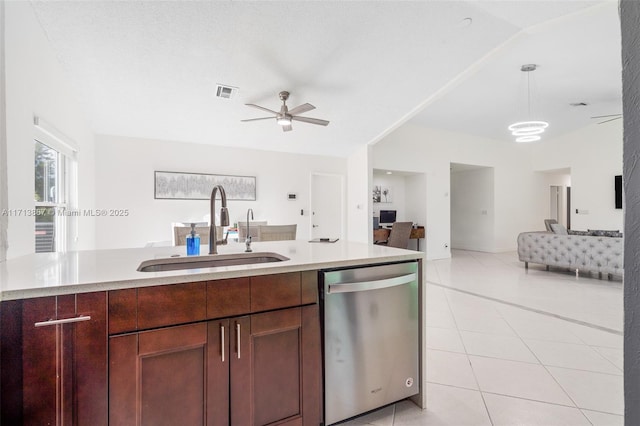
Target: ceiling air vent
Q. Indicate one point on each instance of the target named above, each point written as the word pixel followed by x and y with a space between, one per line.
pixel 224 91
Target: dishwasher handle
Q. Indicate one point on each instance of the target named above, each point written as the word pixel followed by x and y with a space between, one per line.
pixel 371 285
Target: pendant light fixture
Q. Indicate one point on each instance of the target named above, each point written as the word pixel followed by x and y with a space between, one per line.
pixel 528 131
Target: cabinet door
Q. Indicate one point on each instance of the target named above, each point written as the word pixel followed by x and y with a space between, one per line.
pixel 219 355
pixel 277 376
pixel 58 360
pixel 169 376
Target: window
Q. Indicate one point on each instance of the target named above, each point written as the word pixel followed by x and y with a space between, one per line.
pixel 54 196
pixel 50 198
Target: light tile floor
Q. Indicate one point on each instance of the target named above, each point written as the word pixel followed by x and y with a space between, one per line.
pixel 515 347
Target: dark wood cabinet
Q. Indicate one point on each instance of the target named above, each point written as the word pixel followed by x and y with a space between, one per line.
pixel 53 360
pixel 159 377
pixel 282 372
pixel 256 367
pixel 242 351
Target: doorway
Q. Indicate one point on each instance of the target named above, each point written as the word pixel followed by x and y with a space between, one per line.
pixel 472 211
pixel 327 201
pixel 555 188
pixel 555 203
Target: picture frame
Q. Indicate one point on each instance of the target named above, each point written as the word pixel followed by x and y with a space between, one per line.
pixel 198 186
pixel 382 194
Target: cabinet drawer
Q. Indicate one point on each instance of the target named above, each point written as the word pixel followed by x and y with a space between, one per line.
pixel 275 291
pixel 226 298
pixel 123 310
pixel 160 306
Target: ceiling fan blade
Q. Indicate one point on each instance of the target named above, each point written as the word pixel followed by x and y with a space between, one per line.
pixel 256 119
pixel 263 108
pixel 287 128
pixel 301 109
pixel 611 119
pixel 310 120
pixel 605 116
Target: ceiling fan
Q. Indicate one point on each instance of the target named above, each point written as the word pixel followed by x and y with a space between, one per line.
pixel 285 116
pixel 615 117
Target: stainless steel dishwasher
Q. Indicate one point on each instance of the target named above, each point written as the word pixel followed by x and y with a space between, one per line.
pixel 370 321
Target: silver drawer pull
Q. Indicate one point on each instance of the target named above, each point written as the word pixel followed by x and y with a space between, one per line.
pixel 238 338
pixel 222 341
pixel 62 321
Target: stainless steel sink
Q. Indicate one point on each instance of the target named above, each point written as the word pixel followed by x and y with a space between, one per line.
pixel 180 263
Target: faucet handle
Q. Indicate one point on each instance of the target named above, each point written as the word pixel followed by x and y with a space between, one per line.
pixel 224 240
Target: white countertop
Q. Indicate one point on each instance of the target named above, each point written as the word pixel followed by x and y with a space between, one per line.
pixel 47 274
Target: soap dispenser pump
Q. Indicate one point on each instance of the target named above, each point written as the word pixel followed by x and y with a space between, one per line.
pixel 193 242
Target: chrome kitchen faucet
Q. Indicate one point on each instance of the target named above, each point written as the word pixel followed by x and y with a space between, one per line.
pixel 224 218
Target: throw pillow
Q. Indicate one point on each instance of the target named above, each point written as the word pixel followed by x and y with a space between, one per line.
pixel 582 233
pixel 559 229
pixel 605 233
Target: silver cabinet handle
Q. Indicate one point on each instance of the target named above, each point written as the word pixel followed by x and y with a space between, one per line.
pixel 238 338
pixel 222 341
pixel 371 285
pixel 62 321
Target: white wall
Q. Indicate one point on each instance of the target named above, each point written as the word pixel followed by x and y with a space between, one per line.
pixel 125 180
pixel 521 196
pixel 416 206
pixel 36 85
pixel 472 209
pixel 359 200
pixel 594 154
pixel 431 152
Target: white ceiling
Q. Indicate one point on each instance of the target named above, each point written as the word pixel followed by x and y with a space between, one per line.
pixel 149 69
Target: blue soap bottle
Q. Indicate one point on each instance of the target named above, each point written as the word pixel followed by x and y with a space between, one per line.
pixel 193 242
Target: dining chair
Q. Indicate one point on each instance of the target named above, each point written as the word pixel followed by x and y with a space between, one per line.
pixel 276 232
pixel 253 230
pixel 180 234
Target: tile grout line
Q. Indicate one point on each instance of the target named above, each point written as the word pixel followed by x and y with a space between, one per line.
pixel 529 399
pixel 525 362
pixel 526 308
pixel 545 368
pixel 475 378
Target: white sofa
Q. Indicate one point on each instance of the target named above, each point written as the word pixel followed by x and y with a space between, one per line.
pixel 588 253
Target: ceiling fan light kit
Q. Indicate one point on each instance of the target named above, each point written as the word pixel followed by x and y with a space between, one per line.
pixel 285 116
pixel 528 131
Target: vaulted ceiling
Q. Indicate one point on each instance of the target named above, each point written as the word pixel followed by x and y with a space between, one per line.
pixel 149 69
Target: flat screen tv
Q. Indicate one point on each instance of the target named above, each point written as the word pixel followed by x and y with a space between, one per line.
pixel 387 216
pixel 618 191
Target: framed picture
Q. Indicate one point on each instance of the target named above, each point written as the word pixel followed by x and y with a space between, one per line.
pixel 382 194
pixel 198 186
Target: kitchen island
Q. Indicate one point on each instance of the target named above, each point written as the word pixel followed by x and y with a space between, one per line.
pixel 98 342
